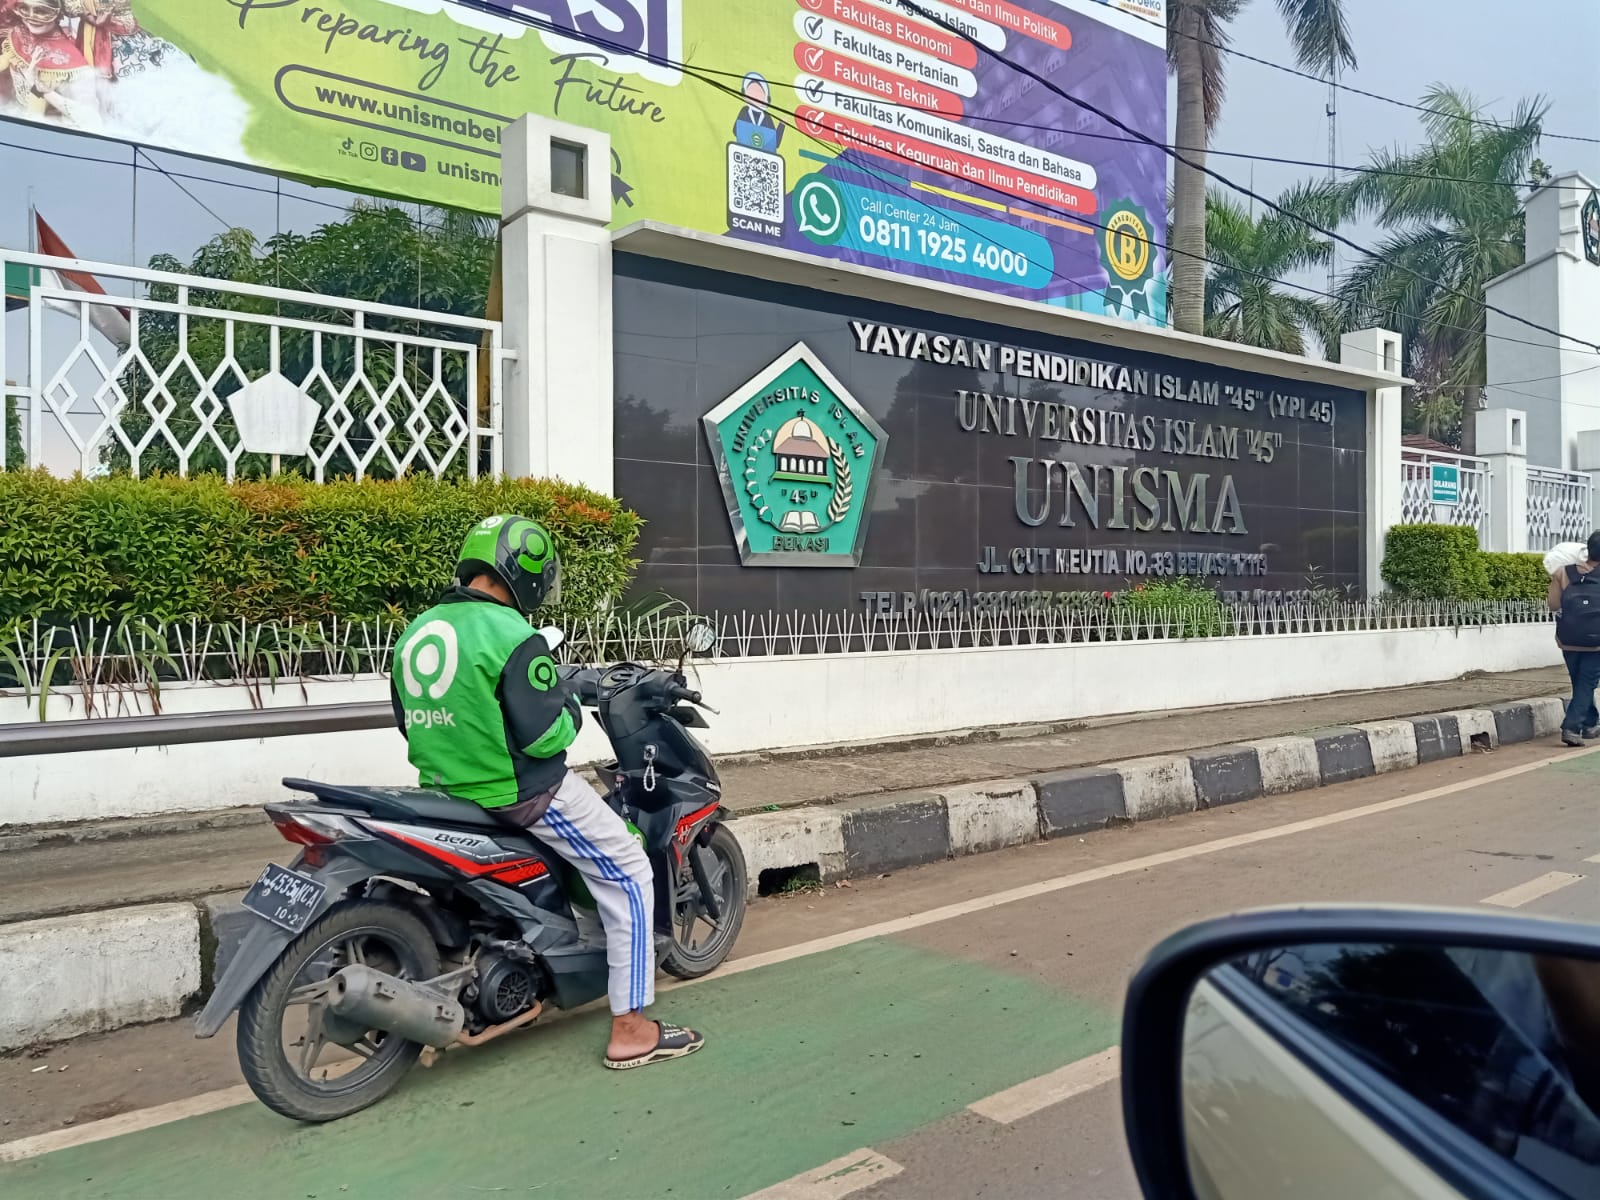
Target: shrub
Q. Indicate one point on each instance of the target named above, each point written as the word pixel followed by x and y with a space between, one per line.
pixel 178 549
pixel 1194 609
pixel 1515 576
pixel 1435 562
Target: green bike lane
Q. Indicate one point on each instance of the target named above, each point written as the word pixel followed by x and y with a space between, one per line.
pixel 806 1060
pixel 884 1041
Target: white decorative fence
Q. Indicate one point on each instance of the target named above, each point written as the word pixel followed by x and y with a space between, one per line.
pixel 1419 503
pixel 1558 507
pixel 184 373
pixel 136 667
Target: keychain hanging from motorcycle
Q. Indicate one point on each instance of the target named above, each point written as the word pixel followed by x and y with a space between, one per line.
pixel 650 767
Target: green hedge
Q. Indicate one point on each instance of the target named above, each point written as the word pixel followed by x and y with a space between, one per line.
pixel 178 549
pixel 1515 576
pixel 1435 562
pixel 1443 562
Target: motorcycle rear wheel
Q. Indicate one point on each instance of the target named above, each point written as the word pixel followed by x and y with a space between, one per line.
pixel 384 935
pixel 693 955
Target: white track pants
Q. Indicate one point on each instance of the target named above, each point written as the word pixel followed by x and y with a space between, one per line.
pixel 579 827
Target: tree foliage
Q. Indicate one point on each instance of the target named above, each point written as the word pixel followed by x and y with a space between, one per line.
pixel 1245 299
pixel 1453 221
pixel 1197 43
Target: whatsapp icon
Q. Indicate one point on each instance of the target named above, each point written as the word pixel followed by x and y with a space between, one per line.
pixel 819 209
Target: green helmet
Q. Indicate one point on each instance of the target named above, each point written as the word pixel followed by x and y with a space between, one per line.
pixel 519 552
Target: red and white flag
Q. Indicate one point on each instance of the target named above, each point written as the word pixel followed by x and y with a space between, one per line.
pixel 111 320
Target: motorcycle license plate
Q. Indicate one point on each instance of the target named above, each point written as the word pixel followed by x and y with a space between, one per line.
pixel 286 898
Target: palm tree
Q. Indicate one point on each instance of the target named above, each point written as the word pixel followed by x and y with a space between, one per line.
pixel 459 223
pixel 1244 300
pixel 1197 38
pixel 1454 221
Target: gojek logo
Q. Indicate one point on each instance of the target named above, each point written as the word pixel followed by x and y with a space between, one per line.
pixel 797 458
pixel 428 662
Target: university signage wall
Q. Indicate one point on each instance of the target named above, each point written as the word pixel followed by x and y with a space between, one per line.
pixel 894 460
pixel 850 129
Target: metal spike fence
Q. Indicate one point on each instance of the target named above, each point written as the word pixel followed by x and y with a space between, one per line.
pixel 747 635
pixel 119 667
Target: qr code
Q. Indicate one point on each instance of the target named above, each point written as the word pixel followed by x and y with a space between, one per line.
pixel 755 184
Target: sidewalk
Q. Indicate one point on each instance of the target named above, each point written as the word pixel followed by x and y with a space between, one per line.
pixel 63 875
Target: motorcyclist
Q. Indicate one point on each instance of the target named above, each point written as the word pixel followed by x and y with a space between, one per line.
pixel 488 719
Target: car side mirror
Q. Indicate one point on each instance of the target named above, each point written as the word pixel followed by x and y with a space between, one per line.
pixel 1330 1053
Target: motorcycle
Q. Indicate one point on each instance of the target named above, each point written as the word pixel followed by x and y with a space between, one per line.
pixel 411 921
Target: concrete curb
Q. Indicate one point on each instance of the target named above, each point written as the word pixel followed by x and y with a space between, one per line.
pixel 90 972
pixel 96 971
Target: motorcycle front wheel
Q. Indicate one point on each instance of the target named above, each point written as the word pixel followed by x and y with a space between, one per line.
pixel 700 941
pixel 297 1059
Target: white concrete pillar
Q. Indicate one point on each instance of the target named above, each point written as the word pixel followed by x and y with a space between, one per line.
pixel 1588 461
pixel 555 205
pixel 1558 287
pixel 1379 350
pixel 1503 440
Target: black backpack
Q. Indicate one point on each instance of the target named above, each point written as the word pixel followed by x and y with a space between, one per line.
pixel 1579 622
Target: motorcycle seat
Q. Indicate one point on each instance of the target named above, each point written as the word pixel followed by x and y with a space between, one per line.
pixel 404 804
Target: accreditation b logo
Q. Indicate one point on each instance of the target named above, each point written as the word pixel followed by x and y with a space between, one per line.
pixel 1125 244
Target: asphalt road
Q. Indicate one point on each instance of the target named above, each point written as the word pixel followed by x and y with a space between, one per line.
pixel 852 1034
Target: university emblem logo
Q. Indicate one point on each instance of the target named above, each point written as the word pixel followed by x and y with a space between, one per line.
pixel 1589 218
pixel 796 457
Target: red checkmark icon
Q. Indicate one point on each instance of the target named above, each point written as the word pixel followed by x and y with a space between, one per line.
pixel 813 59
pixel 814 5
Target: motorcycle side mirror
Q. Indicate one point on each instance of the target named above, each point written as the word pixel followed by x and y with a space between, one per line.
pixel 1337 1052
pixel 552 636
pixel 700 638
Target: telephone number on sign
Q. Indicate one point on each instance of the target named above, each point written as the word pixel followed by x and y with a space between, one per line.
pixel 941 247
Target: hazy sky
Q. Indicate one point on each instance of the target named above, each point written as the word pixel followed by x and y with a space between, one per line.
pixel 1499 50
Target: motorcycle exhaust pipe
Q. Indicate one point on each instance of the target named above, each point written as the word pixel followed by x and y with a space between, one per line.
pixel 373 999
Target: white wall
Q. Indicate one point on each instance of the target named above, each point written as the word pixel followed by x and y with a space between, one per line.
pixel 1546 376
pixel 838 698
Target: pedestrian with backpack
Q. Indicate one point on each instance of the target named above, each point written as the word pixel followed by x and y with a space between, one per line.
pixel 1575 597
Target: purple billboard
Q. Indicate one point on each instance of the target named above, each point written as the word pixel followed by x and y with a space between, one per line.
pixel 927 148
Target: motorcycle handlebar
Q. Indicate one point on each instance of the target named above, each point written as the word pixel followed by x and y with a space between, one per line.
pixel 585 684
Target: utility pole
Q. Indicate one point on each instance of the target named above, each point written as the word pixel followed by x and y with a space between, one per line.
pixel 1333 158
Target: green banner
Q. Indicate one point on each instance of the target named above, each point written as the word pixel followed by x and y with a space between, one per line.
pixel 382 97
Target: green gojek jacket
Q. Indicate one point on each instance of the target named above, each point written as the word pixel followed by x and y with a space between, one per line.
pixel 485 715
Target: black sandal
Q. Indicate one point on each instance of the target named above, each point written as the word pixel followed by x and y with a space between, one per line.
pixel 671 1042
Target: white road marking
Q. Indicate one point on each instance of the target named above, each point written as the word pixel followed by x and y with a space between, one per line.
pixel 1593 858
pixel 950 912
pixel 1526 893
pixel 832 1181
pixel 1035 1095
pixel 128 1122
pixel 212 1101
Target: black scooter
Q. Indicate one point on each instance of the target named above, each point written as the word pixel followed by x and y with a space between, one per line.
pixel 412 921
